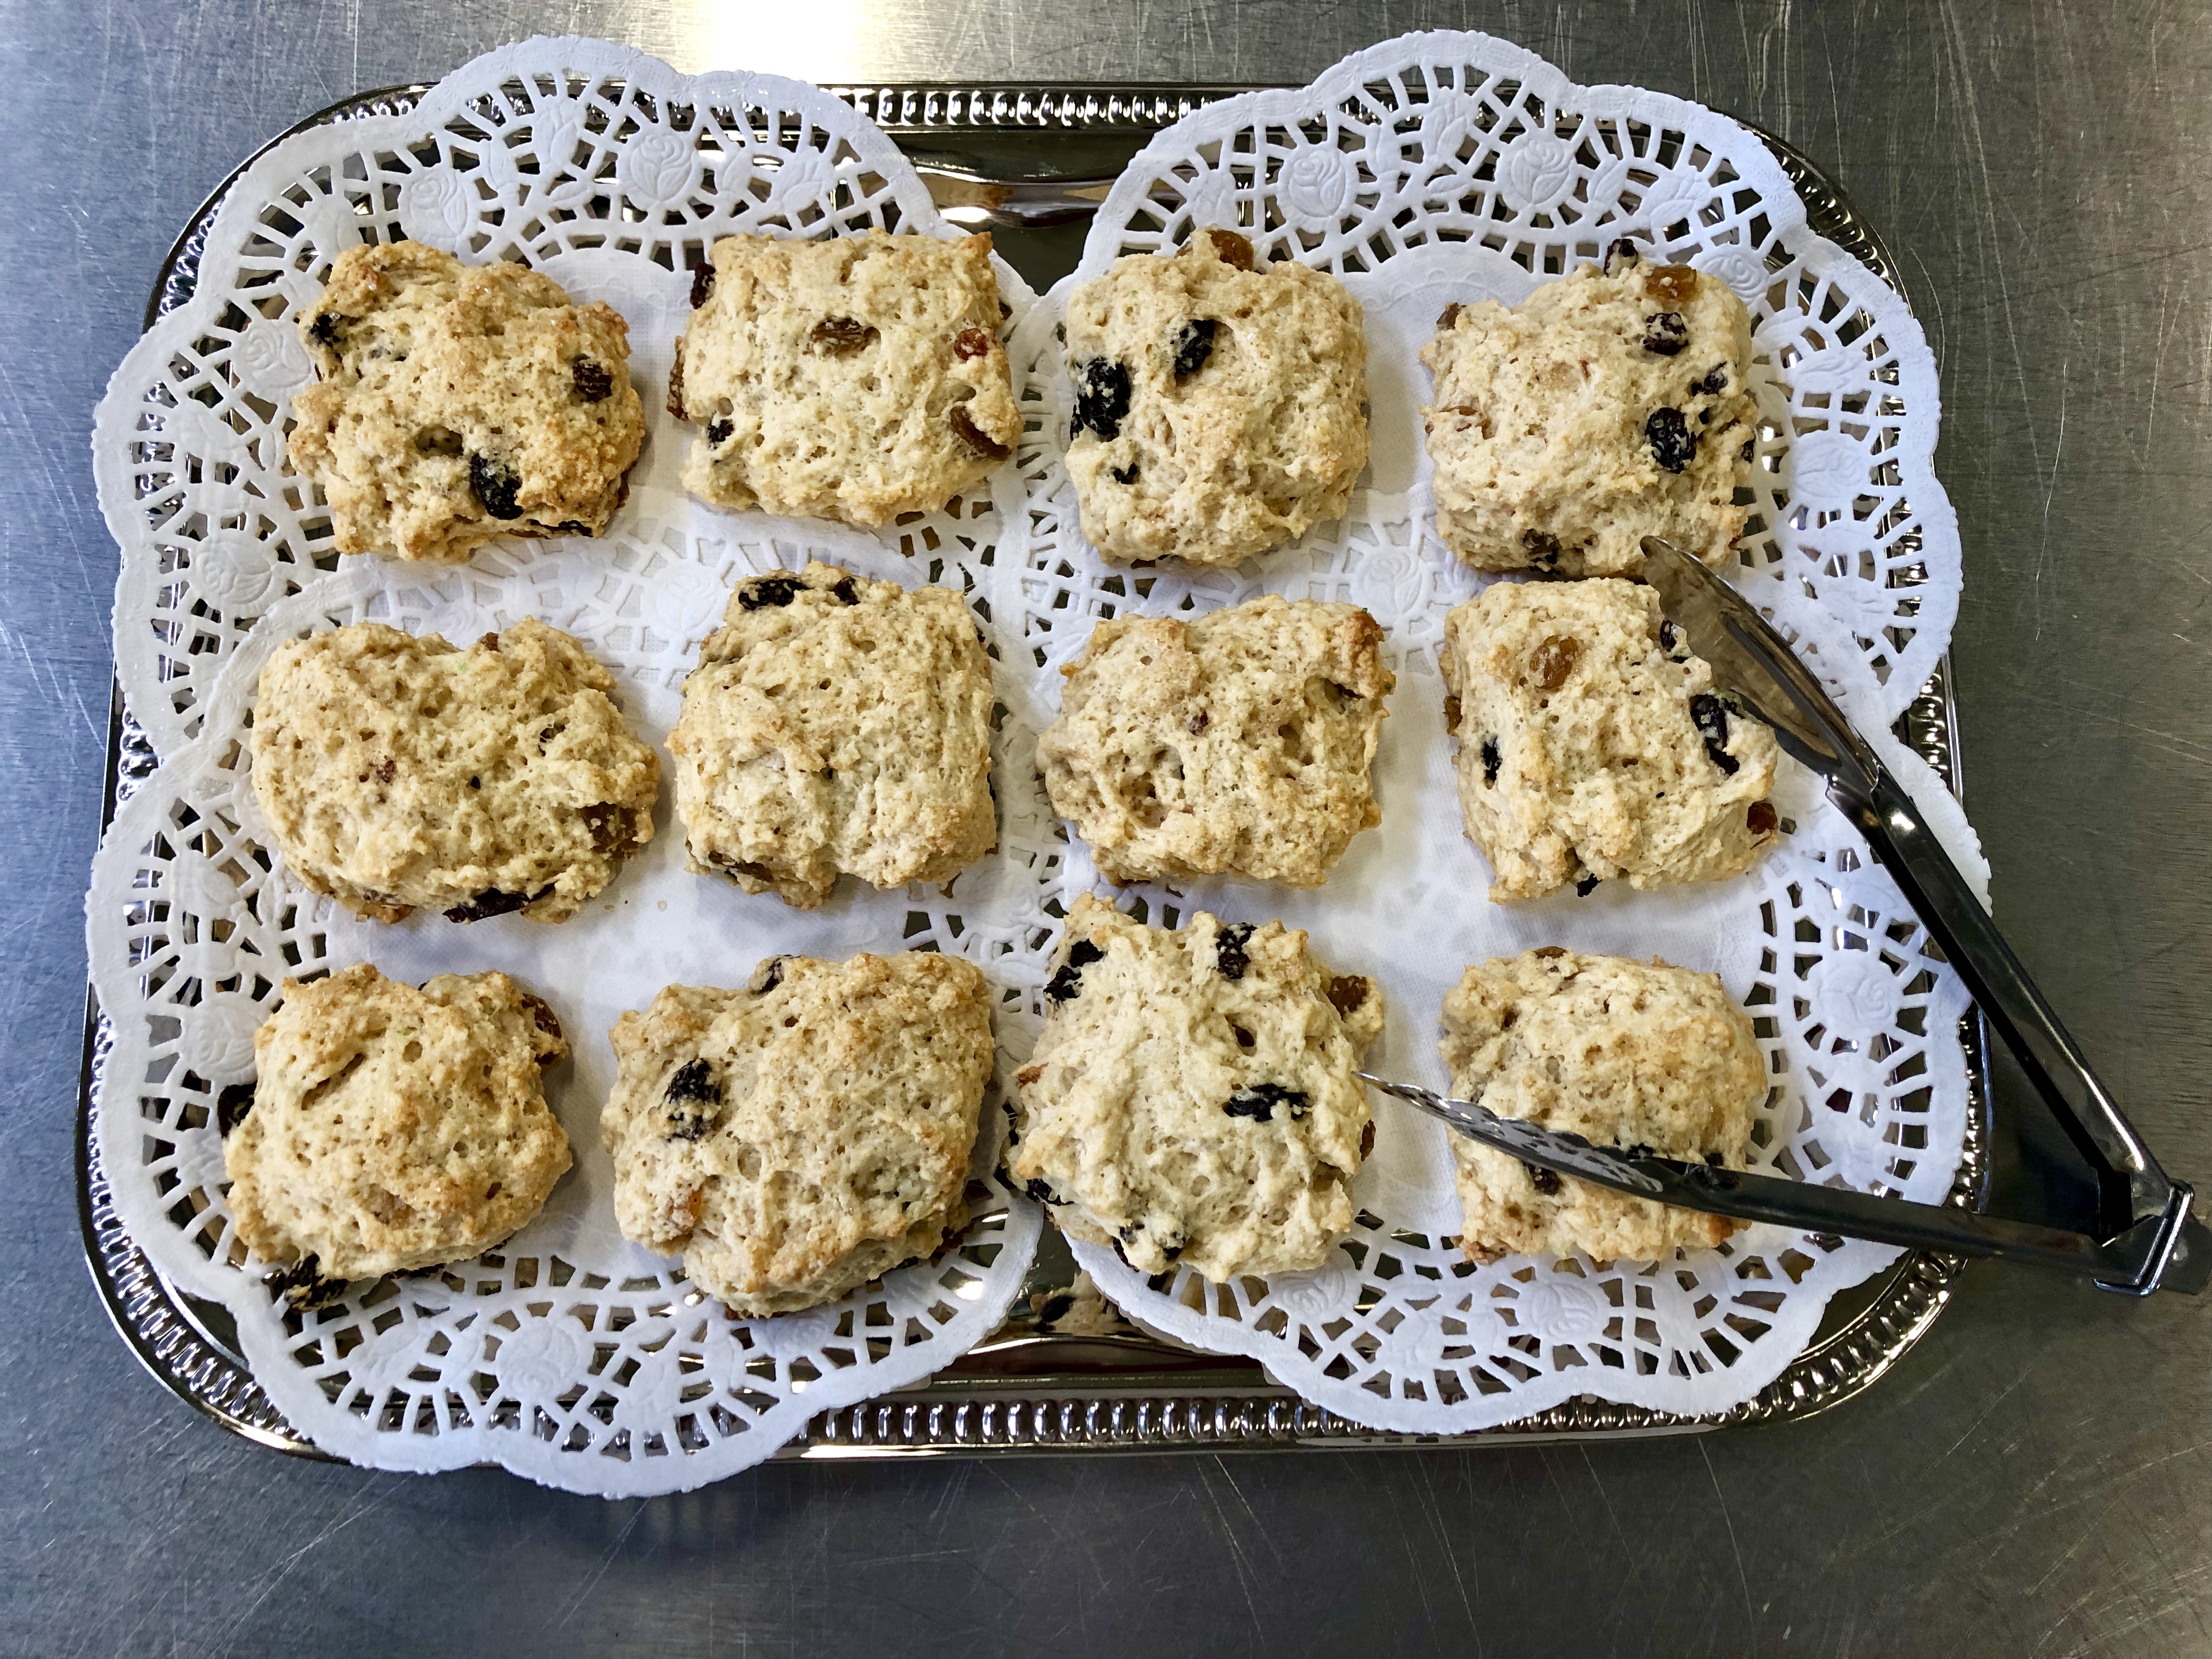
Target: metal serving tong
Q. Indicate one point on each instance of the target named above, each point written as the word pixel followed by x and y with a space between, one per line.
pixel 2142 1238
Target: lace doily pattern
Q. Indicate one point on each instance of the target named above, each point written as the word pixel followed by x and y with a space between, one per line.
pixel 1501 172
pixel 574 155
pixel 1445 167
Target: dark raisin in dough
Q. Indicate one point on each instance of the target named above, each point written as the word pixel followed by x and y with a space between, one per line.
pixel 1069 980
pixel 1347 993
pixel 840 336
pixel 1234 249
pixel 1492 759
pixel 1760 817
pixel 1553 661
pixel 1546 1182
pixel 1037 1188
pixel 303 1286
pixel 1673 445
pixel 1259 1102
pixel 965 430
pixel 1542 547
pixel 494 902
pixel 1669 637
pixel 1229 960
pixel 971 343
pixel 1665 333
pixel 1621 254
pixel 610 826
pixel 1124 475
pixel 496 485
pixel 694 1080
pixel 1640 1150
pixel 717 432
pixel 1586 886
pixel 1448 315
pixel 1714 384
pixel 766 977
pixel 231 1107
pixel 1194 346
pixel 593 382
pixel 769 592
pixel 846 591
pixel 1711 715
pixel 1102 398
pixel 702 285
pixel 324 331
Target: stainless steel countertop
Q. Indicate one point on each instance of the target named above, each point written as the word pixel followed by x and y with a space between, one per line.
pixel 2036 1478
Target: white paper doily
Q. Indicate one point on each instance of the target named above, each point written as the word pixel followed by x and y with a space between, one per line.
pixel 569 1355
pixel 1443 168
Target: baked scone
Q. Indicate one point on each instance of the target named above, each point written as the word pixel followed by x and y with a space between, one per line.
pixel 1644 1058
pixel 1592 746
pixel 394 772
pixel 391 1128
pixel 1192 1099
pixel 458 403
pixel 856 379
pixel 1218 407
pixel 1240 741
pixel 794 1140
pixel 837 724
pixel 1600 410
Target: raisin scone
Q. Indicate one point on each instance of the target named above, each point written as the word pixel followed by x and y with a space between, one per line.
pixel 837 724
pixel 1240 741
pixel 457 404
pixel 1592 746
pixel 394 772
pixel 1643 1057
pixel 1219 410
pixel 856 379
pixel 1192 1099
pixel 1600 410
pixel 794 1140
pixel 390 1128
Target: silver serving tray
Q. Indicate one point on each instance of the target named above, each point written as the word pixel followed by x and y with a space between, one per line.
pixel 1031 163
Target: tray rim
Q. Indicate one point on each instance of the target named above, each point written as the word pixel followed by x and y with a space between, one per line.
pixel 1190 1402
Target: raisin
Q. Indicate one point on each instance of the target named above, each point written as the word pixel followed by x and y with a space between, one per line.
pixel 1259 1102
pixel 1230 959
pixel 494 902
pixel 965 430
pixel 303 1286
pixel 846 591
pixel 1622 252
pixel 496 485
pixel 1367 1139
pixel 1548 951
pixel 231 1107
pixel 1347 993
pixel 1037 1188
pixel 1715 1159
pixel 1451 714
pixel 676 386
pixel 1194 346
pixel 702 285
pixel 324 331
pixel 694 1080
pixel 1759 818
pixel 386 770
pixel 1665 333
pixel 1639 1151
pixel 1546 1182
pixel 1124 475
pixel 1552 661
pixel 971 343
pixel 766 976
pixel 1672 285
pixel 543 1016
pixel 1102 398
pixel 1198 722
pixel 1586 886
pixel 1233 250
pixel 769 592
pixel 840 336
pixel 1669 637
pixel 1069 980
pixel 610 826
pixel 593 384
pixel 1492 759
pixel 1710 716
pixel 1543 549
pixel 1448 315
pixel 1673 445
pixel 718 431
pixel 573 527
pixel 1714 384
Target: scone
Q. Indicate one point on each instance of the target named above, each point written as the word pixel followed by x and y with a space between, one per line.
pixel 1592 746
pixel 1647 1058
pixel 391 1128
pixel 794 1140
pixel 1240 741
pixel 394 772
pixel 457 404
pixel 837 724
pixel 1218 409
pixel 856 379
pixel 1192 1099
pixel 1600 410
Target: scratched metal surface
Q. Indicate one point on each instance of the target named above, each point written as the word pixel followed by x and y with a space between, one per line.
pixel 2034 1479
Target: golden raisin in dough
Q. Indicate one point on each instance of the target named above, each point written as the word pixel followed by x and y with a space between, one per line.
pixel 1626 1055
pixel 1218 407
pixel 796 1138
pixel 394 772
pixel 836 724
pixel 392 1129
pixel 1592 746
pixel 1600 410
pixel 856 379
pixel 458 403
pixel 1240 741
pixel 1192 1099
